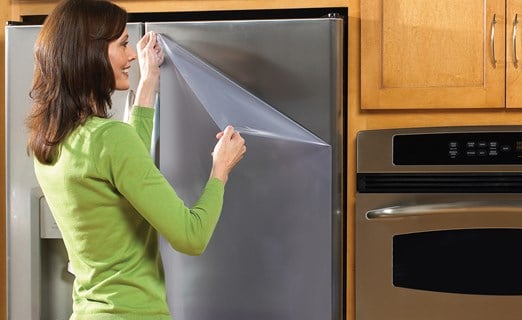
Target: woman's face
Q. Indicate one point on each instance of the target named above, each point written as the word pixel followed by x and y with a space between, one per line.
pixel 120 55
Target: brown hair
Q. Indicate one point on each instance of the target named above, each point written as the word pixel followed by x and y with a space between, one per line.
pixel 73 78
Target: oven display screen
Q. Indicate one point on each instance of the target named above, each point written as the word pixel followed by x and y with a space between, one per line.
pixel 458 148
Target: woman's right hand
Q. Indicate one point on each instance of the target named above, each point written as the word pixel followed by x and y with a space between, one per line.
pixel 228 151
pixel 150 58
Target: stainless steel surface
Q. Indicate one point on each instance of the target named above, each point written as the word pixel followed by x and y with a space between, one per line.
pixel 37 285
pixel 268 260
pixel 276 251
pixel 380 217
pixel 445 208
pixel 376 296
pixel 375 151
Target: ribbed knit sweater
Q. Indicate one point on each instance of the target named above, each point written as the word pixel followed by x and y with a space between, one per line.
pixel 109 201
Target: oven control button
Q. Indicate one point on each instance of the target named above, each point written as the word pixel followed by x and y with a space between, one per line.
pixel 493 152
pixel 493 144
pixel 453 144
pixel 470 144
pixel 482 144
pixel 482 152
pixel 505 148
pixel 471 153
pixel 453 153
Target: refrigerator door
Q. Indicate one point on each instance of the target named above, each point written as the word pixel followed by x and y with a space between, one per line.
pixel 275 252
pixel 38 284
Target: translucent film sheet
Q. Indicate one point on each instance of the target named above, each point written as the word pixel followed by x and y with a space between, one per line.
pixel 270 256
pixel 228 103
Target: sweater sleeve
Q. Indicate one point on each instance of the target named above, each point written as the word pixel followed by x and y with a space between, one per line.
pixel 127 162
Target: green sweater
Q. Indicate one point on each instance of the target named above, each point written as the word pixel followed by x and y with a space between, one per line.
pixel 109 201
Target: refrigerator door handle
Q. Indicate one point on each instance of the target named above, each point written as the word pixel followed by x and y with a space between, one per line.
pixel 154 144
pixel 128 105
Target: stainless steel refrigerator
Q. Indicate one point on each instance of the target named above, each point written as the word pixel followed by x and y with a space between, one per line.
pixel 39 286
pixel 277 251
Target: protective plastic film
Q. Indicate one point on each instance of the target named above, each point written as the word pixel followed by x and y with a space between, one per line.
pixel 270 255
pixel 228 103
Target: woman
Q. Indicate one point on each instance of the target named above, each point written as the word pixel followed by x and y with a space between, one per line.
pixel 107 197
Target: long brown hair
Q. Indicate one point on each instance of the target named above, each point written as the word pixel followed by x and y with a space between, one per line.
pixel 73 78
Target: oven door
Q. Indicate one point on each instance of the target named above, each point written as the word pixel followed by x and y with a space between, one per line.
pixel 438 256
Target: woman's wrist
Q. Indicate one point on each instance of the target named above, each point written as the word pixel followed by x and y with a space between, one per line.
pixel 146 93
pixel 219 174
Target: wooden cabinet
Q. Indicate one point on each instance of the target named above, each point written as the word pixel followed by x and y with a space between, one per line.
pixel 418 54
pixel 514 54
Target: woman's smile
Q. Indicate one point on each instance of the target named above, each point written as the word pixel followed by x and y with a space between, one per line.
pixel 121 55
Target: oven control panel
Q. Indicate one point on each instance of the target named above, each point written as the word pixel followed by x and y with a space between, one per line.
pixel 458 148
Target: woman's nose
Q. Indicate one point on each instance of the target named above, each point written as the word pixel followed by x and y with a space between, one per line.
pixel 132 55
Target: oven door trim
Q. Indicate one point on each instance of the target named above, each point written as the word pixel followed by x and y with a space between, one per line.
pixel 379 217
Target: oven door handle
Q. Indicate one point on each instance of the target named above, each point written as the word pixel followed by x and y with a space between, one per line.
pixel 461 207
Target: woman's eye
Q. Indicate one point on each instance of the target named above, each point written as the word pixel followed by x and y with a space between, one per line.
pixel 125 44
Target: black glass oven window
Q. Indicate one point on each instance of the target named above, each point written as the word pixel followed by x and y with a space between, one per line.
pixel 469 261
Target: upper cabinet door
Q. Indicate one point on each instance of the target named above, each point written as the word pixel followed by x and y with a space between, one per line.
pixel 514 54
pixel 432 54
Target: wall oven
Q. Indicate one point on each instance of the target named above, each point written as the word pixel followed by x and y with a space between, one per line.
pixel 439 223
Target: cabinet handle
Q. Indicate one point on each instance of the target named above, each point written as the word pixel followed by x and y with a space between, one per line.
pixel 515 58
pixel 493 58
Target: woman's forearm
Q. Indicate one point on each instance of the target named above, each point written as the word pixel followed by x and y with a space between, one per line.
pixel 146 93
